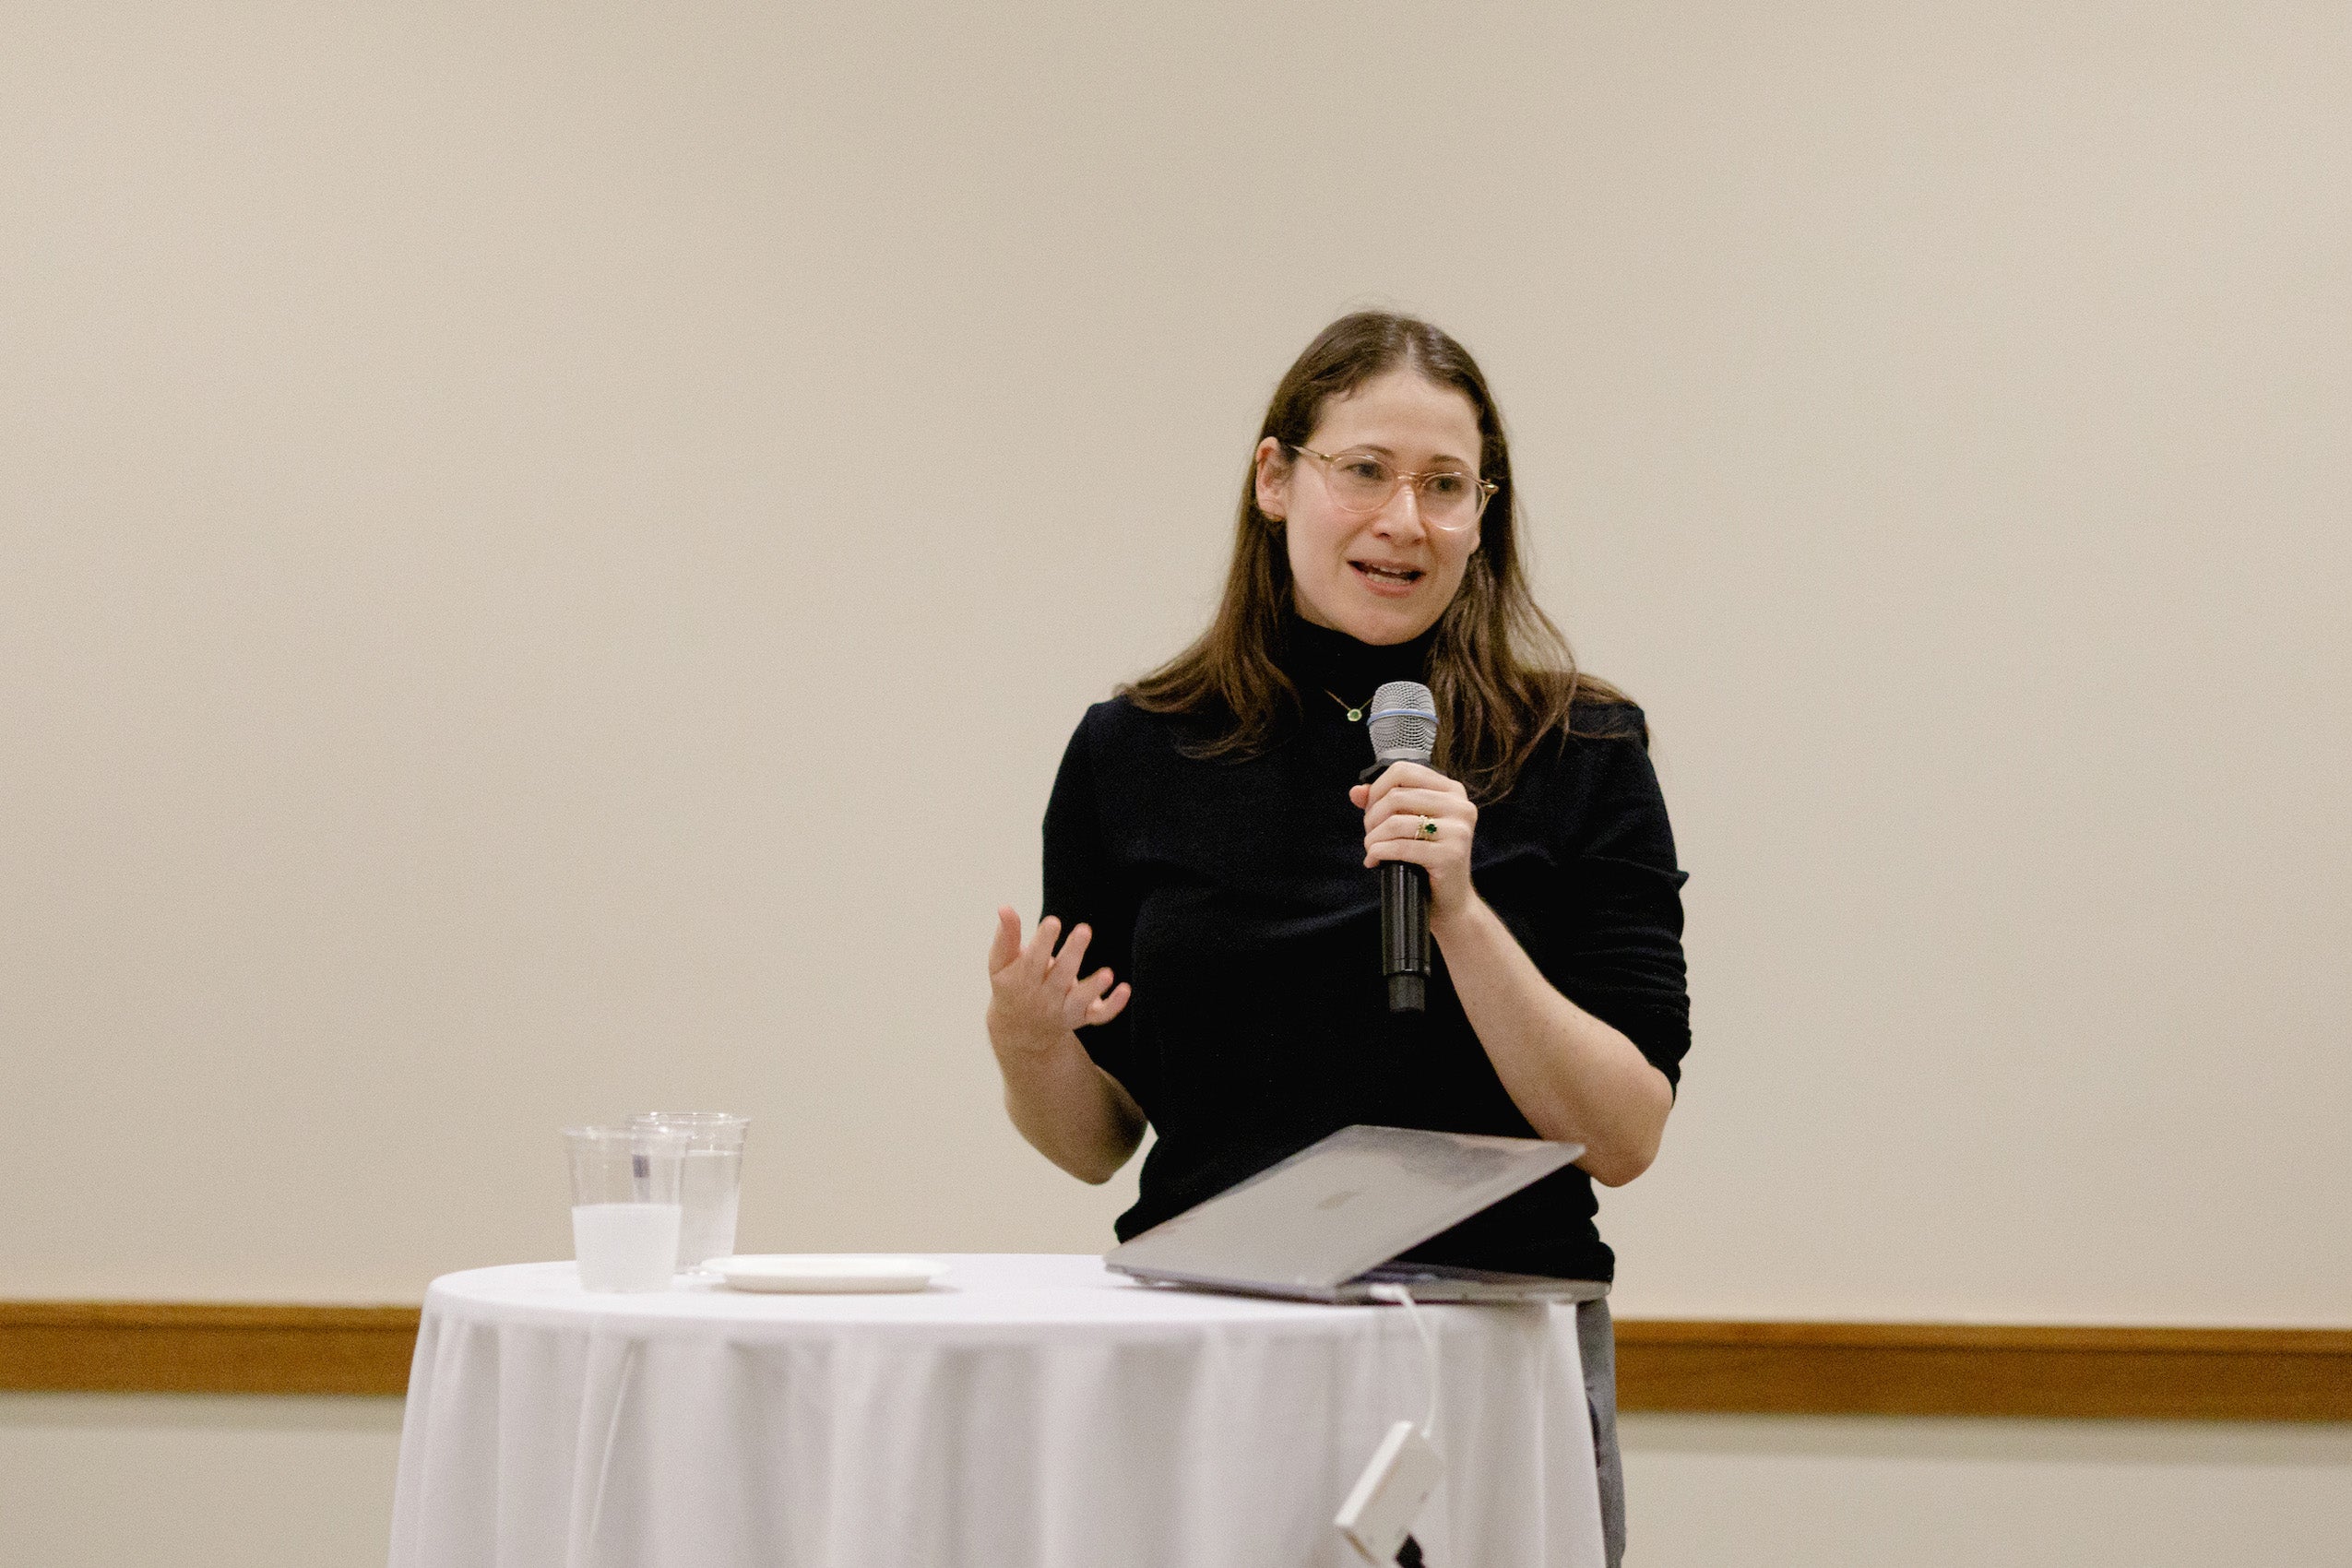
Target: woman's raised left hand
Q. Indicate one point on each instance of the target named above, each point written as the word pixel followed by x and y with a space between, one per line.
pixel 1397 805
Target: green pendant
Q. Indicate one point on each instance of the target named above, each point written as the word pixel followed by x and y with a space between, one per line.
pixel 1355 714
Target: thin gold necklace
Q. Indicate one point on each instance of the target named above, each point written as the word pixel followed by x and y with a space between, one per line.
pixel 1356 713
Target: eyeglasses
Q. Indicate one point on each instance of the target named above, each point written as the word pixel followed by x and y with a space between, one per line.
pixel 1358 482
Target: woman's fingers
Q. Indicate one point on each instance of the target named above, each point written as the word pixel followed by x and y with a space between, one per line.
pixel 1035 989
pixel 1442 862
pixel 1408 830
pixel 1409 786
pixel 1408 825
pixel 1420 798
pixel 1005 944
pixel 1034 975
pixel 1431 841
pixel 1079 1001
pixel 1109 1007
pixel 1032 960
pixel 1409 775
pixel 1402 847
pixel 1418 803
pixel 1039 964
pixel 1066 965
pixel 1037 954
pixel 1416 815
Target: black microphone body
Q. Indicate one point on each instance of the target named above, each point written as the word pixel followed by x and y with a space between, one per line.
pixel 1403 728
pixel 1404 934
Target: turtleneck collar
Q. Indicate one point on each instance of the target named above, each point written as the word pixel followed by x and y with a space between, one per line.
pixel 1319 659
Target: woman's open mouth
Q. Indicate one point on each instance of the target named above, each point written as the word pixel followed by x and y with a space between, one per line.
pixel 1395 581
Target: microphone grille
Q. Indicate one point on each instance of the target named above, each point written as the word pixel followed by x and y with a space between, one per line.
pixel 1403 722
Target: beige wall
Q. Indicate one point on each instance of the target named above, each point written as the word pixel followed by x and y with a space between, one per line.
pixel 547 557
pixel 195 1480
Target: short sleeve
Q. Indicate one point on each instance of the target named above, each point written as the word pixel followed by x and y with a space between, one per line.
pixel 1614 943
pixel 1084 882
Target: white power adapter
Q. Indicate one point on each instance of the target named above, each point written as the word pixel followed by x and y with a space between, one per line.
pixel 1379 1513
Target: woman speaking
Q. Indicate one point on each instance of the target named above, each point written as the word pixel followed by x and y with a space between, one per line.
pixel 1208 853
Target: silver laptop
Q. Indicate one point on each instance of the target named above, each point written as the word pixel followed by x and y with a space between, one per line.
pixel 1327 1224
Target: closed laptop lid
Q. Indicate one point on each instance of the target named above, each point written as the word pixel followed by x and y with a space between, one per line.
pixel 1340 1206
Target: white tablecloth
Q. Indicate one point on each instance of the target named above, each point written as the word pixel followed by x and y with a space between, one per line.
pixel 1024 1412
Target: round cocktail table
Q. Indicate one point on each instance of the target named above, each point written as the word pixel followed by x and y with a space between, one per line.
pixel 1026 1411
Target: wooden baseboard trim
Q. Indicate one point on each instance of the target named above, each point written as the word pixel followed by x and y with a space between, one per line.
pixel 2234 1374
pixel 204 1348
pixel 1888 1369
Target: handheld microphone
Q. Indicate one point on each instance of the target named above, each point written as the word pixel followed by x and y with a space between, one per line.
pixel 1404 729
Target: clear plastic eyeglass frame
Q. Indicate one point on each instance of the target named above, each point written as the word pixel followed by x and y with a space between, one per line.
pixel 1449 513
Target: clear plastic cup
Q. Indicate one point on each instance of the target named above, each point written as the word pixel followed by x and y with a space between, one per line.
pixel 625 1210
pixel 710 1187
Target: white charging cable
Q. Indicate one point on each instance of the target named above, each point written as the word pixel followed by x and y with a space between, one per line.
pixel 1377 1518
pixel 1404 1297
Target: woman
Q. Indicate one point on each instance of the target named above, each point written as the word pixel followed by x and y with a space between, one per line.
pixel 1208 849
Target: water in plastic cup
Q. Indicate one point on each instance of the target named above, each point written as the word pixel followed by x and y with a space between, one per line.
pixel 624 1206
pixel 625 1246
pixel 710 1181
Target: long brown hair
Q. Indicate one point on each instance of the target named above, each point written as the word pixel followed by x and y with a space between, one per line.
pixel 1501 671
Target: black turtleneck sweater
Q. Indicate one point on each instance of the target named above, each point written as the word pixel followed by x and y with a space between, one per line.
pixel 1233 896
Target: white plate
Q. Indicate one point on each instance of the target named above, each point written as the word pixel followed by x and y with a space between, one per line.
pixel 838 1272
